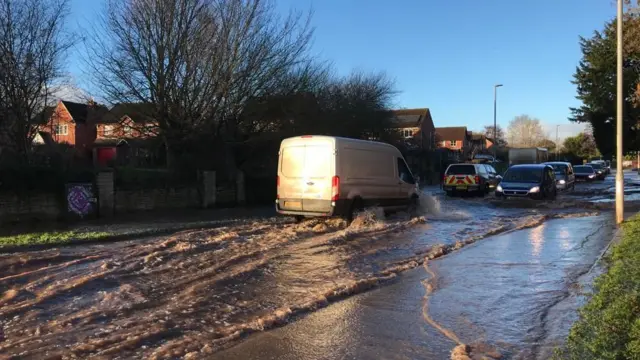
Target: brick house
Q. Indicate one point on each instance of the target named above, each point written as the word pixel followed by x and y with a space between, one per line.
pixel 121 134
pixel 127 121
pixel 72 123
pixel 415 124
pixel 453 138
pixel 93 128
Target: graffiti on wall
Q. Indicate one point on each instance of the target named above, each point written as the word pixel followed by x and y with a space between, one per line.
pixel 80 199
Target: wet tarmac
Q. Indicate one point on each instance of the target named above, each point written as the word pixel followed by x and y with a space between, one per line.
pixel 470 270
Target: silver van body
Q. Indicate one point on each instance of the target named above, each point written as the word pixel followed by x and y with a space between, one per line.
pixel 565 176
pixel 334 176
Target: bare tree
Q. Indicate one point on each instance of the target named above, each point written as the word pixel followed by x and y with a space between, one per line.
pixel 524 131
pixel 32 45
pixel 195 62
pixel 500 139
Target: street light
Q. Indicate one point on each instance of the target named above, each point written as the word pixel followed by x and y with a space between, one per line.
pixel 619 80
pixel 557 144
pixel 495 124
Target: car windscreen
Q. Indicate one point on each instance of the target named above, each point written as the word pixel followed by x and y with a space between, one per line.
pixel 528 175
pixel 596 166
pixel 559 168
pixel 583 170
pixel 461 170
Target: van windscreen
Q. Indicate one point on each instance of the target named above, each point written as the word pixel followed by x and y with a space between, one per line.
pixel 306 161
pixel 461 170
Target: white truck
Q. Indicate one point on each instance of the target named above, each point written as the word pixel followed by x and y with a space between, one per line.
pixel 535 155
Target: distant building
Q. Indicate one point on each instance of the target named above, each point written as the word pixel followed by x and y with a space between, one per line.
pixel 453 138
pixel 70 123
pixel 94 128
pixel 416 125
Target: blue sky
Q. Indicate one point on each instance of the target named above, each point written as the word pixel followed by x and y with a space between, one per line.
pixel 447 55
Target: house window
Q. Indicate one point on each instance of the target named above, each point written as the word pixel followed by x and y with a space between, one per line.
pixel 452 143
pixel 128 131
pixel 62 129
pixel 407 133
pixel 107 130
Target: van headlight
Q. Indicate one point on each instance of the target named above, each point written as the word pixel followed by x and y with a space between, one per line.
pixel 561 182
pixel 535 189
pixel 499 188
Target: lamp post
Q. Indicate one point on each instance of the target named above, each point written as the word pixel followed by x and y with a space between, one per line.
pixel 619 98
pixel 557 144
pixel 495 124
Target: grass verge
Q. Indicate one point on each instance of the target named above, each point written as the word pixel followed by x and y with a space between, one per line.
pixel 609 324
pixel 51 238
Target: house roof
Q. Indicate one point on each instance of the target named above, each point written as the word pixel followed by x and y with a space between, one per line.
pixel 409 117
pixel 80 112
pixel 137 112
pixel 43 116
pixel 452 133
pixel 477 137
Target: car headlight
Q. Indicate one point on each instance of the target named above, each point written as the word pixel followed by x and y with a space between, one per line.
pixel 535 189
pixel 561 182
pixel 591 176
pixel 499 188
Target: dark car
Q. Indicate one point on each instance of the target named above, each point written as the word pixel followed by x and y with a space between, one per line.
pixel 600 170
pixel 534 181
pixel 585 173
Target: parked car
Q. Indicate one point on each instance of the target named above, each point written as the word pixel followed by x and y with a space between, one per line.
pixel 469 178
pixel 535 181
pixel 565 176
pixel 600 170
pixel 585 173
pixel 333 176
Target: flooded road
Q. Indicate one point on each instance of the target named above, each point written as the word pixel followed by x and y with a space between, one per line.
pixel 380 288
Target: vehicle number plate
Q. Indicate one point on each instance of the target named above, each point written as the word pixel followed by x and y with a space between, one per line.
pixel 293 204
pixel 461 187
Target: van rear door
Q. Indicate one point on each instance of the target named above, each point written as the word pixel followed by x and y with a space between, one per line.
pixel 306 172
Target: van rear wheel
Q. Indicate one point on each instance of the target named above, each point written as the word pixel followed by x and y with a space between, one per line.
pixel 356 207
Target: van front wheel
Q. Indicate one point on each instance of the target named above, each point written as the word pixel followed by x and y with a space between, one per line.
pixel 412 209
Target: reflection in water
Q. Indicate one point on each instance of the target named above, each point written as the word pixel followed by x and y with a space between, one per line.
pixel 565 238
pixel 536 238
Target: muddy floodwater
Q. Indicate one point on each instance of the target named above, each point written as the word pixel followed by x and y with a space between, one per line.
pixel 468 271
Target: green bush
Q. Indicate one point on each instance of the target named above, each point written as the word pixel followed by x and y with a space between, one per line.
pixel 127 178
pixel 609 324
pixel 29 178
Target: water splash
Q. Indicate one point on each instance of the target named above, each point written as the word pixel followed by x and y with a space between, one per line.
pixel 431 207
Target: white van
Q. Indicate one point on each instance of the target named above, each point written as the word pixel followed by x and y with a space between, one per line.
pixel 333 176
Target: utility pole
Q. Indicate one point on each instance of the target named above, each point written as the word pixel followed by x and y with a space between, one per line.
pixel 557 145
pixel 495 123
pixel 619 118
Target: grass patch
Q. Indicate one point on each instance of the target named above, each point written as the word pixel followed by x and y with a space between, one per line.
pixel 609 324
pixel 51 238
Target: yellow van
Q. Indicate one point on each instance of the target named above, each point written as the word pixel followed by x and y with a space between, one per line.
pixel 334 176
